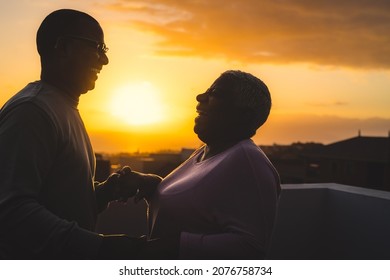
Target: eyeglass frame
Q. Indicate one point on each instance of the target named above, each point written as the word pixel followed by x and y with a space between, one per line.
pixel 100 46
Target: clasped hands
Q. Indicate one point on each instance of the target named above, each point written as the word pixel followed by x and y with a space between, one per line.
pixel 126 183
pixel 120 186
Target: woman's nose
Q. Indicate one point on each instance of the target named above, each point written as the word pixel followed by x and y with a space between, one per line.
pixel 201 97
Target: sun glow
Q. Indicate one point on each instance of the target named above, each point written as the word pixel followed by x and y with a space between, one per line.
pixel 137 104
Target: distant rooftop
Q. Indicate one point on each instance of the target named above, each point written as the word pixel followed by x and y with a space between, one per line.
pixel 358 148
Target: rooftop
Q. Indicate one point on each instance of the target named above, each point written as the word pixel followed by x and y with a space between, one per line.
pixel 331 221
pixel 314 221
pixel 360 148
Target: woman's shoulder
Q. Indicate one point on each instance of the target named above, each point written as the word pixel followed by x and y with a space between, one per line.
pixel 247 148
pixel 255 156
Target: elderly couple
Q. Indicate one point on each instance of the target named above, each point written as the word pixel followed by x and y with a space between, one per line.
pixel 219 204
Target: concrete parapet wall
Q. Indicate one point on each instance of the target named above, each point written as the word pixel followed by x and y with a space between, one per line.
pixel 331 221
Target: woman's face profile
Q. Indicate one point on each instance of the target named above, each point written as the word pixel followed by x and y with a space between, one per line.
pixel 218 117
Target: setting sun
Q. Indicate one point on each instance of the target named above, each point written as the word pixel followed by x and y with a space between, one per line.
pixel 137 104
pixel 323 63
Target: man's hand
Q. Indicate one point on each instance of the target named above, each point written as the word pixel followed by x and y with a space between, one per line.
pixel 126 183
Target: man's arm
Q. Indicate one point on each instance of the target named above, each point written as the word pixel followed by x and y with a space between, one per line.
pixel 27 228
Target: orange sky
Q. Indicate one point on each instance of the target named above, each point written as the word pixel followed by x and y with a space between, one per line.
pixel 326 64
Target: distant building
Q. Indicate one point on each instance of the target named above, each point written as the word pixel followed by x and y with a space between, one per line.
pixel 359 161
pixel 289 160
pixel 103 168
pixel 135 161
pixel 161 163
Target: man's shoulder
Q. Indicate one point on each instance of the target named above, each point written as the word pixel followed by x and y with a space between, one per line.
pixel 33 94
pixel 33 97
pixel 28 93
pixel 24 96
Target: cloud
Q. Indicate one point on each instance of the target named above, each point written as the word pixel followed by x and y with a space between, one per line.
pixel 327 104
pixel 351 33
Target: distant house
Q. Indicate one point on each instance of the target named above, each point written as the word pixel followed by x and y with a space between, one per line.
pixel 103 168
pixel 162 163
pixel 288 160
pixel 359 161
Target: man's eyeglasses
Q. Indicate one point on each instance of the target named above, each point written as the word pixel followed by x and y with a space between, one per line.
pixel 100 47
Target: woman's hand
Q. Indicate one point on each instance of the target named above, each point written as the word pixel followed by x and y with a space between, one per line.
pixel 132 183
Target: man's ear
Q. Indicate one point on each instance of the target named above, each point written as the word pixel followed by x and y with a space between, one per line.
pixel 61 46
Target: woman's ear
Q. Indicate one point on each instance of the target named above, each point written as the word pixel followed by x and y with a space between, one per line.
pixel 249 120
pixel 247 116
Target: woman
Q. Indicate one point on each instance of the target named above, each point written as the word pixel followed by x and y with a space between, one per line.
pixel 221 202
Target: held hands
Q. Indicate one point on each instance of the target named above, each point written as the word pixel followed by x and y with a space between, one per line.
pixel 127 183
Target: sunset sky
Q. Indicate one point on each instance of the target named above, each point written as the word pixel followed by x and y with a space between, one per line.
pixel 326 63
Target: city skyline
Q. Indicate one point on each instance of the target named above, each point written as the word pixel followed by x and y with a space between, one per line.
pixel 326 64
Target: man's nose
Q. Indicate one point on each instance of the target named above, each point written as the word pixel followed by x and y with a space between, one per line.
pixel 103 58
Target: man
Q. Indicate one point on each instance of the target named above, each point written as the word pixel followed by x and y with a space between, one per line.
pixel 48 198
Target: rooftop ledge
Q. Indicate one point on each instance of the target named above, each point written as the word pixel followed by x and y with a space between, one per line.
pixel 314 221
pixel 339 187
pixel 331 221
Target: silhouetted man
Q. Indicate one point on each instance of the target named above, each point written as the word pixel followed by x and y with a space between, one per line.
pixel 48 198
